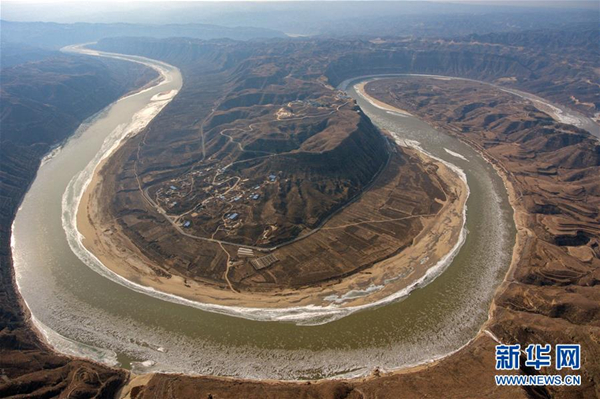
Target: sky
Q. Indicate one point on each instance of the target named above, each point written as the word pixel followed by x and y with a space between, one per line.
pixel 545 3
pixel 136 12
pixel 512 2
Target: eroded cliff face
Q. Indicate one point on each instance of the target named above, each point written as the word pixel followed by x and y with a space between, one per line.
pixel 42 103
pixel 558 66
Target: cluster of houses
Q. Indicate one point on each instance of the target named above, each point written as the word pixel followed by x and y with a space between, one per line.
pixel 233 216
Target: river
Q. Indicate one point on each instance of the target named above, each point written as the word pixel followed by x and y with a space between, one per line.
pixel 85 313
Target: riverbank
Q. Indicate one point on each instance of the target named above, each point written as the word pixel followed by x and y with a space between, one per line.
pixel 519 215
pixel 388 280
pixel 557 230
pixel 360 89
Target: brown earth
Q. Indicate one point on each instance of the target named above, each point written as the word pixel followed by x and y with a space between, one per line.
pixel 366 243
pixel 280 165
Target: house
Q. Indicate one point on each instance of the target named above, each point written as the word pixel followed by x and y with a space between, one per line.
pixel 233 216
pixel 272 177
pixel 187 224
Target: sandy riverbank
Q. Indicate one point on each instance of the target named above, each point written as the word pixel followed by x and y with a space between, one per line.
pixel 388 280
pixel 360 88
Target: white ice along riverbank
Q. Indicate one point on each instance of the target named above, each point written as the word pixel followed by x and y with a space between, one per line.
pixel 456 154
pixel 139 121
pixel 57 341
pixel 301 315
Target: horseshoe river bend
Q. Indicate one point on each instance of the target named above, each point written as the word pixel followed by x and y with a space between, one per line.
pixel 84 309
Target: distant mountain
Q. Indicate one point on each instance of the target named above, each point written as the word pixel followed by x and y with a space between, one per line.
pixel 52 35
pixel 417 18
pixel 15 54
pixel 538 61
pixel 546 39
pixel 453 25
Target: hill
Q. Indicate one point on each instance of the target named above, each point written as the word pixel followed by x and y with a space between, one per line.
pixel 52 35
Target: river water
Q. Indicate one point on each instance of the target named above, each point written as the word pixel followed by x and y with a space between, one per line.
pixel 83 312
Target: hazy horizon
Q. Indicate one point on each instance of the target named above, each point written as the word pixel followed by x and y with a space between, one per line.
pixel 167 11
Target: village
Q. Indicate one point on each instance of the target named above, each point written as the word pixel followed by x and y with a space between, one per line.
pixel 210 201
pixel 195 199
pixel 306 108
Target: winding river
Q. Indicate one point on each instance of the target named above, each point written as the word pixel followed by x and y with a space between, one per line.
pixel 83 312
